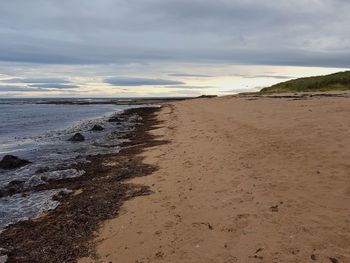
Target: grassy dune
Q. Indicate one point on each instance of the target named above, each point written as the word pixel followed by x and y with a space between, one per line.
pixel 334 82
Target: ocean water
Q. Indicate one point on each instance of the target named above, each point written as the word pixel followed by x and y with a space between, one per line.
pixel 40 133
pixel 21 125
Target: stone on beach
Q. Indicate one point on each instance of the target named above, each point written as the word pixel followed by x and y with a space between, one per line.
pixel 12 187
pixel 97 127
pixel 12 162
pixel 78 137
pixel 15 186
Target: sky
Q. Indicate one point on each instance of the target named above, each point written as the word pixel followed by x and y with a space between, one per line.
pixel 151 48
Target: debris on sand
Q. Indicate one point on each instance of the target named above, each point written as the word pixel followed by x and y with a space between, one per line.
pixel 274 208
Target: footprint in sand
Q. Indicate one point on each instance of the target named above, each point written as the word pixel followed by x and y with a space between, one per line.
pixel 239 223
pixel 169 224
pixel 230 259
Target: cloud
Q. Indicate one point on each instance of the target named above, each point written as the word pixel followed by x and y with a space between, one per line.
pixel 36 80
pixel 186 92
pixel 189 75
pixel 90 40
pixel 37 84
pixel 9 88
pixel 265 76
pixel 191 87
pixel 55 86
pixel 198 31
pixel 31 88
pixel 121 81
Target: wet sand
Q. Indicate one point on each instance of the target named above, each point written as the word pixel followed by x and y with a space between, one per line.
pixel 241 180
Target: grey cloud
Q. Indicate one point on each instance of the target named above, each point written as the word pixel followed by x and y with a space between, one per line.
pixel 36 80
pixel 189 75
pixel 198 31
pixel 186 92
pixel 265 76
pixel 123 81
pixel 191 87
pixel 10 88
pixel 55 86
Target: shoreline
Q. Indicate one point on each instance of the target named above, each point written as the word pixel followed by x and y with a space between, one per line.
pixel 233 179
pixel 97 196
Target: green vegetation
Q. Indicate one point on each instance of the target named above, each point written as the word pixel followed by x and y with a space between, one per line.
pixel 334 82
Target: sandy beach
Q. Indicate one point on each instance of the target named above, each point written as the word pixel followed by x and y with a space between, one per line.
pixel 241 179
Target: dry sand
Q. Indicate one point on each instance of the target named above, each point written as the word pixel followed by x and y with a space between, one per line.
pixel 242 180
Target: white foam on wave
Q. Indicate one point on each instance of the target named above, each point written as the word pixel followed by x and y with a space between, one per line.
pixel 17 207
pixel 42 178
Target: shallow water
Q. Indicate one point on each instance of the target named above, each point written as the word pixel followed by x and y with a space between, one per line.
pixel 17 207
pixel 20 124
pixel 40 133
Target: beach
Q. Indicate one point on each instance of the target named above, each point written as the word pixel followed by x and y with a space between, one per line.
pixel 226 179
pixel 240 179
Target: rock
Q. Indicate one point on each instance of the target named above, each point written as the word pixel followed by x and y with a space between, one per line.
pixel 34 181
pixel 12 162
pixel 78 137
pixel 4 251
pixel 114 119
pixel 15 186
pixel 42 170
pixel 97 127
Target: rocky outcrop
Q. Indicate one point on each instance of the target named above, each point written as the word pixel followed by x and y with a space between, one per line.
pixel 12 162
pixel 78 137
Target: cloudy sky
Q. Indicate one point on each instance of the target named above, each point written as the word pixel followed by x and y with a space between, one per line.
pixel 129 48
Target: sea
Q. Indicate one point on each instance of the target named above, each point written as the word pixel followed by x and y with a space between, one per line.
pixel 40 133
